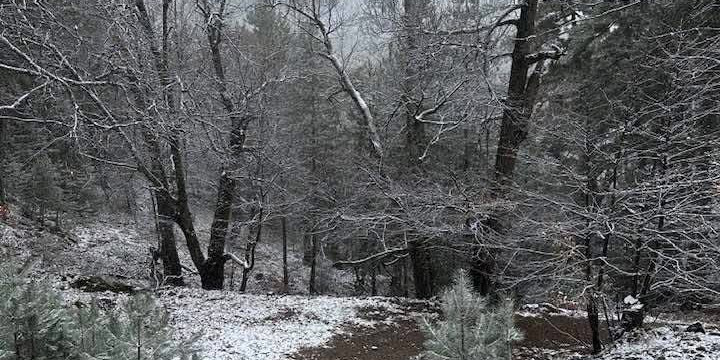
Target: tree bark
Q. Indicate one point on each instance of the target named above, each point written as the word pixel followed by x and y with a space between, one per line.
pixel 250 251
pixel 521 96
pixel 591 202
pixel 592 309
pixel 522 93
pixel 307 249
pixel 3 131
pixel 415 130
pixel 226 185
pixel 313 266
pixel 481 275
pixel 422 271
pixel 594 321
pixel 172 270
pixel 286 280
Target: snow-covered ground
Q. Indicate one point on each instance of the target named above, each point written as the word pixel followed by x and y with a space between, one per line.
pixel 668 343
pixel 259 326
pixel 242 326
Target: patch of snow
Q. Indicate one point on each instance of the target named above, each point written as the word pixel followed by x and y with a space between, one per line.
pixel 630 300
pixel 543 309
pixel 665 343
pixel 244 326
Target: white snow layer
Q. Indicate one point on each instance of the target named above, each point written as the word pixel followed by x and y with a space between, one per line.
pixel 668 343
pixel 263 327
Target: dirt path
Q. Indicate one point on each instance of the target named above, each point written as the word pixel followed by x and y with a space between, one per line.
pixel 395 335
pixel 399 341
pixel 547 337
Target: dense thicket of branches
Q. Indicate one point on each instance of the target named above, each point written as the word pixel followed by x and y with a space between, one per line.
pixel 568 145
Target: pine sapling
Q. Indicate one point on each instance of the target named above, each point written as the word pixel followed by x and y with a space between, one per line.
pixel 471 328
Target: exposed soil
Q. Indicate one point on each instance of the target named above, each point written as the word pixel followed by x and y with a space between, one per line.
pixel 399 341
pixel 399 338
pixel 557 332
pixel 546 337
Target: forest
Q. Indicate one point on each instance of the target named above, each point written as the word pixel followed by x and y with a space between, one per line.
pixel 359 179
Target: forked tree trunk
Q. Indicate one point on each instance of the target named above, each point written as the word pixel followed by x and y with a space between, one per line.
pixel 250 252
pixel 166 210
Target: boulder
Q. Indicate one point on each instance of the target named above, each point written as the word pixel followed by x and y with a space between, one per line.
pixel 695 328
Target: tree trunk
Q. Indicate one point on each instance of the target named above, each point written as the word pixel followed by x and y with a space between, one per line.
pixel 481 275
pixel 405 278
pixel 307 249
pixel 422 271
pixel 172 271
pixel 594 321
pixel 313 266
pixel 467 150
pixel 3 131
pixel 221 220
pixel 286 280
pixel 396 279
pixel 591 201
pixel 415 130
pixel 250 251
pixel 592 309
pixel 166 210
pixel 520 100
pixel 483 264
pixel 212 275
pixel 522 92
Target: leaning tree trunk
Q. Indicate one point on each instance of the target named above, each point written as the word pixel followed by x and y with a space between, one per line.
pixel 522 93
pixel 520 100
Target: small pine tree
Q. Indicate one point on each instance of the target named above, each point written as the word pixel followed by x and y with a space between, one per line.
pixel 92 336
pixel 471 329
pixel 141 331
pixel 35 325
